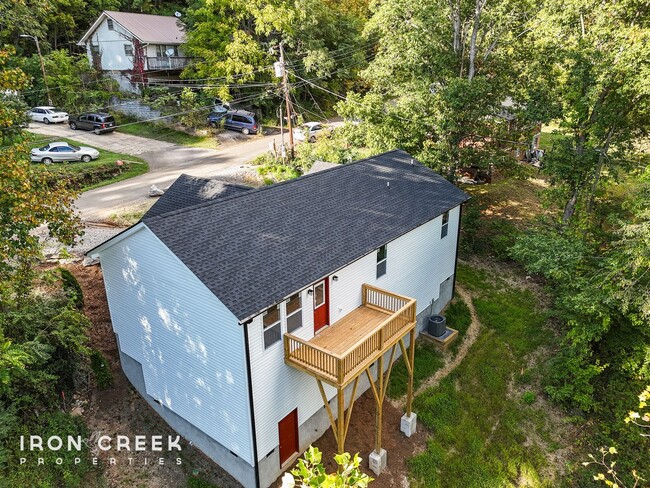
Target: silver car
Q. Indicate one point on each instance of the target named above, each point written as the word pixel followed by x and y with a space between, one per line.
pixel 48 115
pixel 56 152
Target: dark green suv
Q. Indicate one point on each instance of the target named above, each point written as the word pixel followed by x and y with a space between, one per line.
pixel 98 122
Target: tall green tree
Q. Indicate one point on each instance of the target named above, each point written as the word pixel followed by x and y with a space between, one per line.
pixel 441 75
pixel 599 65
pixel 28 198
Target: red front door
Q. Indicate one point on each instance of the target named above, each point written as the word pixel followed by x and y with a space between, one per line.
pixel 321 305
pixel 288 428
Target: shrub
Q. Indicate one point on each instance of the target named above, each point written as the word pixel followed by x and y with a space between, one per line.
pixel 72 288
pixel 101 369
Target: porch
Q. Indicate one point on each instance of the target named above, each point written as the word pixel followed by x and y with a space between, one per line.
pixel 345 349
pixel 340 354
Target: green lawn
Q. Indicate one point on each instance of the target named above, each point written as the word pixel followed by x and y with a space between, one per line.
pixel 483 432
pixel 166 134
pixel 100 172
pixel 428 359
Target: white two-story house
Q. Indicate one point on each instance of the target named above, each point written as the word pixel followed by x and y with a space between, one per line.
pixel 241 313
pixel 136 49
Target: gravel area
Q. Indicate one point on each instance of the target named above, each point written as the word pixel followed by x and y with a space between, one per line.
pixel 93 236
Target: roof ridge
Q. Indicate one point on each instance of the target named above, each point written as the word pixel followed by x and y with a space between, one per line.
pixel 268 187
pixel 135 13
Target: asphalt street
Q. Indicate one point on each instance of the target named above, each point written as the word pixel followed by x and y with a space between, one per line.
pixel 166 163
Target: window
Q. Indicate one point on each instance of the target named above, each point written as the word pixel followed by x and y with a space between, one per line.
pixel 128 49
pixel 161 51
pixel 381 261
pixel 271 321
pixel 294 313
pixel 445 225
pixel 109 22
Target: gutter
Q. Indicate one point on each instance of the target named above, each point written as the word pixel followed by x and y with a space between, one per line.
pixel 252 405
pixel 460 216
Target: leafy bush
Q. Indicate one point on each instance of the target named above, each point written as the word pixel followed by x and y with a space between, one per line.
pixel 60 468
pixel 528 397
pixel 101 369
pixel 72 288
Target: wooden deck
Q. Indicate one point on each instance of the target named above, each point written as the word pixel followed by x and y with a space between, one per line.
pixel 344 350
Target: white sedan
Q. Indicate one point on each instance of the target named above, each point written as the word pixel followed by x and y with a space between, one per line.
pixel 48 115
pixel 56 152
pixel 311 131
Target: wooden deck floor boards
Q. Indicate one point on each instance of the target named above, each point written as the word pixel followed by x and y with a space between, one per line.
pixel 347 331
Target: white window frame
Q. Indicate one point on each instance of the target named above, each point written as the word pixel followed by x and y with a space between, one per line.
pixel 110 24
pixel 297 312
pixel 127 48
pixel 382 264
pixel 444 229
pixel 272 326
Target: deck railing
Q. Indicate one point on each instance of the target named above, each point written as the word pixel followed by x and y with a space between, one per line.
pixel 341 368
pixel 167 62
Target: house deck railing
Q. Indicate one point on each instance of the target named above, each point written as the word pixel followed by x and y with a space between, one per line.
pixel 165 62
pixel 340 368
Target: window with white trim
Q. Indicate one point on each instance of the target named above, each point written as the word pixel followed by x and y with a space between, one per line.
pixel 109 23
pixel 272 330
pixel 381 261
pixel 128 49
pixel 445 224
pixel 294 312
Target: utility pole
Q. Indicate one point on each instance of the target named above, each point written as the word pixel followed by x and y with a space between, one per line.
pixel 40 58
pixel 285 86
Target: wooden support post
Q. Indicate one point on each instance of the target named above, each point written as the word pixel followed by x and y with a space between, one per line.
pixel 411 360
pixel 340 436
pixel 380 398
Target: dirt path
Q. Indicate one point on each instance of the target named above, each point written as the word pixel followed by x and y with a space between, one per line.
pixel 451 362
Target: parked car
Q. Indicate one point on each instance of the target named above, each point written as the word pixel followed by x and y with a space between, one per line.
pixel 311 131
pixel 56 152
pixel 98 122
pixel 48 115
pixel 240 120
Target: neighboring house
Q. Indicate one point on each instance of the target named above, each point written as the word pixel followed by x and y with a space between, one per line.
pixel 240 313
pixel 135 49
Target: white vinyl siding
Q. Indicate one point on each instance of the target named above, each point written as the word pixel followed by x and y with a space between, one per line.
pixel 419 262
pixel 190 345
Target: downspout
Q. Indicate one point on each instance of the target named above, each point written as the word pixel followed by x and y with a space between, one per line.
pixel 252 405
pixel 460 215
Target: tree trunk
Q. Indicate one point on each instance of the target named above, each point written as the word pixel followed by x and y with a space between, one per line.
pixel 454 9
pixel 472 42
pixel 570 206
pixel 599 169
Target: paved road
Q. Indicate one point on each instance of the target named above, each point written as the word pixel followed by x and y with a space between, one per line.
pixel 166 162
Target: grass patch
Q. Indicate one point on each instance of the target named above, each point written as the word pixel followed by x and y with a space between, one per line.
pixel 427 361
pixel 131 215
pixel 459 318
pixel 479 433
pixel 163 133
pixel 100 172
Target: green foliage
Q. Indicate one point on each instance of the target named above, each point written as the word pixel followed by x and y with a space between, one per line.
pixel 195 482
pixel 101 369
pixel 427 361
pixel 528 397
pixel 72 288
pixel 459 318
pixel 470 411
pixel 69 472
pixel 236 42
pixel 310 472
pixel 28 200
pixel 73 83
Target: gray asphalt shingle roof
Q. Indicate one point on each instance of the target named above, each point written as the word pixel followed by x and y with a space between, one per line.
pixel 188 191
pixel 256 248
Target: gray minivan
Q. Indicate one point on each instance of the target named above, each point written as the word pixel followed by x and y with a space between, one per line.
pixel 242 121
